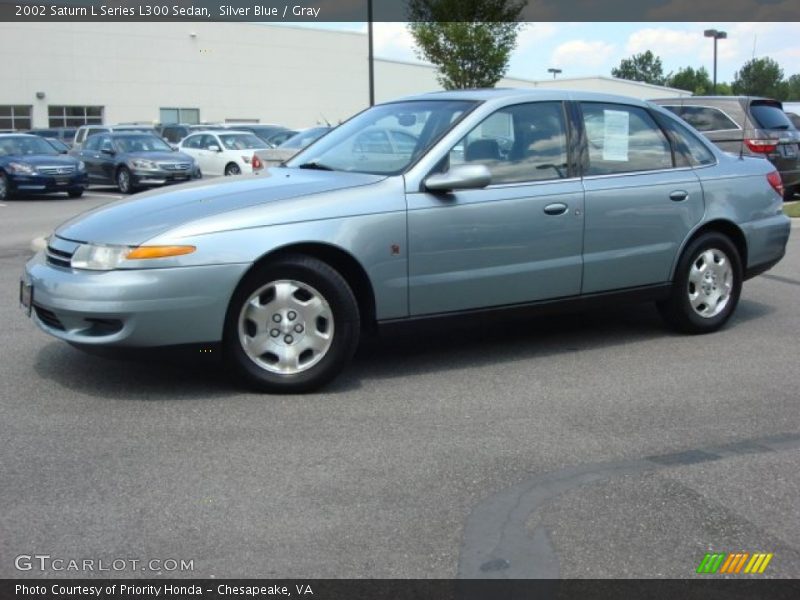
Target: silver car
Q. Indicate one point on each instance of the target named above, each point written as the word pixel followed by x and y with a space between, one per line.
pixel 506 198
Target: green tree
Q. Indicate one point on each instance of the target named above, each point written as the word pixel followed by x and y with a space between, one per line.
pixel 645 67
pixel 724 89
pixel 469 41
pixel 698 82
pixel 760 77
pixel 793 88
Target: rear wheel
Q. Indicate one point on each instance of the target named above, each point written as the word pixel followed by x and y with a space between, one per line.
pixel 124 180
pixel 292 326
pixel 707 285
pixel 790 192
pixel 232 169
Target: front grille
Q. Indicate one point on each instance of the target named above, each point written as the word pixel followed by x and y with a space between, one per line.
pixel 56 170
pixel 175 166
pixel 48 318
pixel 58 258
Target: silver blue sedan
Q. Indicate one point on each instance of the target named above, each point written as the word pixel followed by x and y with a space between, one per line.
pixel 502 199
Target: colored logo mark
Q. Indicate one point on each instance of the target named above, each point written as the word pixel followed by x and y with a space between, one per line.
pixel 734 563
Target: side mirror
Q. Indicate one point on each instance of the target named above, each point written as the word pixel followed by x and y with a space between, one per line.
pixel 214 148
pixel 460 177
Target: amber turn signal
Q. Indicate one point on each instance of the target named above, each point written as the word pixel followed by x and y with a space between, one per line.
pixel 143 252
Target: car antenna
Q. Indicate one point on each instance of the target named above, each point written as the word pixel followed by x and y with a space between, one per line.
pixel 327 123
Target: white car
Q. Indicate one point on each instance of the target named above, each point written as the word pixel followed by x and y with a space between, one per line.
pixel 222 152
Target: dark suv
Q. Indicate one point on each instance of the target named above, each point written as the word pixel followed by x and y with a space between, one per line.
pixel 747 125
pixel 134 160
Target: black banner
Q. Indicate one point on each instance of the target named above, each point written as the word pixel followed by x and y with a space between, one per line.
pixel 706 588
pixel 391 10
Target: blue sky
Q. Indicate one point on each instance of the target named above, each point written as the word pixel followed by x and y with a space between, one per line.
pixel 584 49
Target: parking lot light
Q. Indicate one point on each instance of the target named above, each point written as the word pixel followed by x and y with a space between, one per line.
pixel 717 35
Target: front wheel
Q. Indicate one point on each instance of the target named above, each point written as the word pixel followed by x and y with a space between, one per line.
pixel 124 181
pixel 707 285
pixel 292 326
pixel 75 192
pixel 4 193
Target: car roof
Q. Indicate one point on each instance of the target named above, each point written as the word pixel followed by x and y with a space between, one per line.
pixel 132 133
pixel 533 94
pixel 12 134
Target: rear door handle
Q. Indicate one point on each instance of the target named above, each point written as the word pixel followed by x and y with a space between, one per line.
pixel 679 195
pixel 557 208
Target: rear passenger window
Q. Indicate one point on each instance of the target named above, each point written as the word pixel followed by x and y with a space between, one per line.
pixel 623 139
pixel 705 118
pixel 524 142
pixel 687 144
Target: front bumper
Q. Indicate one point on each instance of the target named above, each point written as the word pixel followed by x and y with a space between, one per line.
pixel 32 184
pixel 132 308
pixel 161 177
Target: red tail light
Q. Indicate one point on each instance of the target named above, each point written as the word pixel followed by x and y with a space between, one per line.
pixel 775 181
pixel 256 163
pixel 762 146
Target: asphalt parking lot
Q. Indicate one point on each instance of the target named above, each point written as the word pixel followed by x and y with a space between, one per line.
pixel 589 445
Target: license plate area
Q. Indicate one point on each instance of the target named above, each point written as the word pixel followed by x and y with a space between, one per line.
pixel 26 297
pixel 789 150
pixel 62 180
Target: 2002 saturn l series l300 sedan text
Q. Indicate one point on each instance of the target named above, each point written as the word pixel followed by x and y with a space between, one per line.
pixel 494 199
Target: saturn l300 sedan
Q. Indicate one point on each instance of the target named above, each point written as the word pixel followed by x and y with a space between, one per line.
pixel 506 199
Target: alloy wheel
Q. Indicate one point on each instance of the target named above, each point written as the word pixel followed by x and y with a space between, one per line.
pixel 710 282
pixel 286 327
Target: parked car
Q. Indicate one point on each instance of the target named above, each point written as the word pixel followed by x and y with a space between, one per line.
pixel 745 125
pixel 275 156
pixel 86 131
pixel 265 131
pixel 222 152
pixel 283 272
pixel 64 134
pixel 30 165
pixel 132 160
pixel 795 119
pixel 58 145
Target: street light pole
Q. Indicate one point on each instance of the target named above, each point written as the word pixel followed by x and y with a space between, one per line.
pixel 371 61
pixel 717 35
pixel 554 72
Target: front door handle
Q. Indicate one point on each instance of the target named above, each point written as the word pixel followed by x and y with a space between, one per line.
pixel 679 195
pixel 557 208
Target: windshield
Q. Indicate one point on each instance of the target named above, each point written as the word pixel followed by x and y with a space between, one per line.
pixel 385 139
pixel 242 141
pixel 25 145
pixel 142 143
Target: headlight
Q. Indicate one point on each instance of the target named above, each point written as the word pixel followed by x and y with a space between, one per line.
pixel 81 166
pixel 145 165
pixel 97 257
pixel 22 168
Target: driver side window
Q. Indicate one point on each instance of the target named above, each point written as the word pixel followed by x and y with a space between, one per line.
pixel 524 142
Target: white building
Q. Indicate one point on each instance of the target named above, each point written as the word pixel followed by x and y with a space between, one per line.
pixel 67 74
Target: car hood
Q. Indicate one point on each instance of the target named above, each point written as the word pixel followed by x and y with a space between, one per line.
pixel 45 159
pixel 134 221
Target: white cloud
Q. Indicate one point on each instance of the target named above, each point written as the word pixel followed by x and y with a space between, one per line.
pixel 581 53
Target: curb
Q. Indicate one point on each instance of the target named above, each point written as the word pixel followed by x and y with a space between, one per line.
pixel 39 243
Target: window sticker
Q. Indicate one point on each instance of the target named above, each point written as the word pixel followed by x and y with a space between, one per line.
pixel 615 134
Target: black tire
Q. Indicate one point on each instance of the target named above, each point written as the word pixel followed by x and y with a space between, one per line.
pixel 75 192
pixel 5 193
pixel 232 169
pixel 677 310
pixel 125 181
pixel 790 192
pixel 346 326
